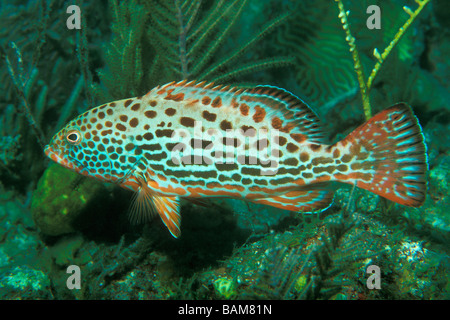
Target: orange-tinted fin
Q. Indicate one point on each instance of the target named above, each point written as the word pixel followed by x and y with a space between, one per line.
pixel 169 211
pixel 389 156
pixel 314 198
pixel 146 204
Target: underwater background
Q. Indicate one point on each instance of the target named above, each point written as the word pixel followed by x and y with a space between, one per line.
pixel 51 218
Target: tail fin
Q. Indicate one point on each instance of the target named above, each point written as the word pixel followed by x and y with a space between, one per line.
pixel 387 156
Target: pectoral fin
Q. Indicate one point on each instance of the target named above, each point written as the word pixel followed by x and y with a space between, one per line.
pixel 146 204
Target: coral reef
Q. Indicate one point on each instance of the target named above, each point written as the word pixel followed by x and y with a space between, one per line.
pixel 60 213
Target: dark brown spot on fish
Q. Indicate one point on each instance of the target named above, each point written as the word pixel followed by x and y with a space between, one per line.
pixel 281 141
pixel 321 160
pixel 293 171
pixel 277 153
pixel 153 103
pixel 261 182
pixel 112 104
pixel 148 136
pixel 96 139
pixel 200 144
pixel 119 150
pixel 206 100
pixel 234 103
pixel 291 147
pixel 261 144
pixel 129 147
pixel 90 144
pixel 136 106
pixel 336 153
pixel 226 166
pixel 298 137
pixel 109 112
pixel 151 147
pixel 314 147
pixel 342 168
pixel 329 169
pixel 101 115
pixel 259 115
pixel 187 122
pixel 99 126
pixel 93 119
pixel 307 175
pixel 291 162
pixel 223 178
pixel 172 145
pixel 304 157
pixel 244 109
pixel 121 127
pixel 101 147
pixel 249 131
pixel 277 123
pixel 355 149
pixel 123 159
pixel 170 111
pixel 110 149
pixel 346 158
pixel 246 181
pixel 123 118
pixel 127 103
pixel 163 133
pixel 251 171
pixel 217 102
pixel 209 116
pixel 281 181
pixel 109 124
pixel 146 127
pixel 205 174
pixel 87 135
pixel 224 125
pixel 231 142
pixel 150 114
pixel 236 177
pixel 134 122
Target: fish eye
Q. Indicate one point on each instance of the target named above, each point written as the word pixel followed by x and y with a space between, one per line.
pixel 73 137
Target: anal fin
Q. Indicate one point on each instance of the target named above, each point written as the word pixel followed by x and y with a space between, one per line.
pixel 315 198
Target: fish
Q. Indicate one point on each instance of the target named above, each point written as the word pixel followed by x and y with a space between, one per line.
pixel 196 140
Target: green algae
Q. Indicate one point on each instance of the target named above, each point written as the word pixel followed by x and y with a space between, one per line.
pixel 61 198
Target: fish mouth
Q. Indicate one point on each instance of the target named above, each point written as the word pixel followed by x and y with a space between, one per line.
pixel 55 156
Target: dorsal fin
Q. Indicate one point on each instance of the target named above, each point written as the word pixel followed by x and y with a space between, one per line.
pixel 297 116
pixel 294 109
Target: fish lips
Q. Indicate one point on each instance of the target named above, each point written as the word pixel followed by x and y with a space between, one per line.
pixel 65 161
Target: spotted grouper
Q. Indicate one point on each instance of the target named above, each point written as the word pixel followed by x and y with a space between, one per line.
pixel 194 140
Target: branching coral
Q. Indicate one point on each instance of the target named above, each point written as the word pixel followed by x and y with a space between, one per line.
pixel 323 67
pixel 157 41
pixel 366 86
